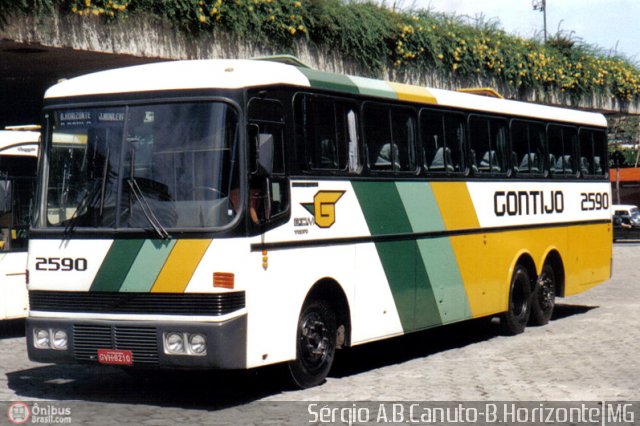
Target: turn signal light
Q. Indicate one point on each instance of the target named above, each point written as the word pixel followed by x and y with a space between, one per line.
pixel 223 280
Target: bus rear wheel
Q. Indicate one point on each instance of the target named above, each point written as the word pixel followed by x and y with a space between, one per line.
pixel 515 319
pixel 315 344
pixel 543 299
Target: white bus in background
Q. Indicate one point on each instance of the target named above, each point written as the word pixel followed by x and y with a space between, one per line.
pixel 18 159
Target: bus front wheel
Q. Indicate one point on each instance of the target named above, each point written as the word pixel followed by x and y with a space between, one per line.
pixel 515 319
pixel 315 344
pixel 543 297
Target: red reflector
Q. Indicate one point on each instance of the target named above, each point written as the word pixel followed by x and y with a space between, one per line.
pixel 223 279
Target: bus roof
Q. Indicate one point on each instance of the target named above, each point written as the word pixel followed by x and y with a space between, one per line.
pixel 234 74
pixel 13 142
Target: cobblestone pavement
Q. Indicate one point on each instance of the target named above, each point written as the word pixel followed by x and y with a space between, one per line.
pixel 589 351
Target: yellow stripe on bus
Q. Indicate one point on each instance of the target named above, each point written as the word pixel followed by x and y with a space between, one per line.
pixel 180 266
pixel 455 205
pixel 410 93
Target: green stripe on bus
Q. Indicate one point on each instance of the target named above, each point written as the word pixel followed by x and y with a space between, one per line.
pixel 437 255
pixel 116 265
pixel 377 88
pixel 421 206
pixel 382 207
pixel 440 262
pixel 147 266
pixel 424 215
pixel 384 212
pixel 427 313
pixel 329 81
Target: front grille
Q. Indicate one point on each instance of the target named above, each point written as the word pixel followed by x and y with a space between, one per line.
pixel 208 304
pixel 141 341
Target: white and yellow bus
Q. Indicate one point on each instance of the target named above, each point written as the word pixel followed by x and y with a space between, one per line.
pixel 18 159
pixel 237 213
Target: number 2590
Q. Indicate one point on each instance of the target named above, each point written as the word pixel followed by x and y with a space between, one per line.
pixel 61 264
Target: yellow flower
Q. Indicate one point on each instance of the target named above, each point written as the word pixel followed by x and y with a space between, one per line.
pixel 202 18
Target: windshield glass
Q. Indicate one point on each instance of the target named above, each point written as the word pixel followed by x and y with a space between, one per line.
pixel 156 166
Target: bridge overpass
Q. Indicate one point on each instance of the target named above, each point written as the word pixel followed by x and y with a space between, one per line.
pixel 35 53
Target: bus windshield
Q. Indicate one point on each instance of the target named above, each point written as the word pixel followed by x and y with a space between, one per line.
pixel 156 166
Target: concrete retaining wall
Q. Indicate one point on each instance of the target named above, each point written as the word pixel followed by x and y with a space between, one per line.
pixel 149 37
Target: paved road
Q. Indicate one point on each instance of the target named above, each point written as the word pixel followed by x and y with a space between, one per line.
pixel 589 351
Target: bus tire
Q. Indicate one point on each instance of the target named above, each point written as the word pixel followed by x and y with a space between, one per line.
pixel 515 319
pixel 315 344
pixel 543 299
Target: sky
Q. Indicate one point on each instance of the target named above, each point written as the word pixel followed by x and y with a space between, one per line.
pixel 613 25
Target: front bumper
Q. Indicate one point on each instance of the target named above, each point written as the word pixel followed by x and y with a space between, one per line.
pixel 226 342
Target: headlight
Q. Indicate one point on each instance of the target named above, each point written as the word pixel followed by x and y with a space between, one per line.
pixel 197 344
pixel 60 340
pixel 174 343
pixel 184 343
pixel 41 338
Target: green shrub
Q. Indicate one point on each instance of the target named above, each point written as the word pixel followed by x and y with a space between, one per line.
pixel 378 38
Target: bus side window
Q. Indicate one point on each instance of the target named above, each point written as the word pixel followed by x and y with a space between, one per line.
pixel 327 133
pixel 562 149
pixel 527 144
pixel 600 164
pixel 488 144
pixel 443 139
pixel 390 135
pixel 434 152
pixel 403 128
pixel 455 136
pixel 268 189
pixel 593 150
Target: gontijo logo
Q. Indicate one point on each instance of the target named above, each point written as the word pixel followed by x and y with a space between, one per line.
pixel 323 207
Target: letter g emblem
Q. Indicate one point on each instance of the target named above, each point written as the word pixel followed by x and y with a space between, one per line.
pixel 324 204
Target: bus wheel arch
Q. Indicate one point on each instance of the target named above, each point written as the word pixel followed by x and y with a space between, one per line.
pixel 323 326
pixel 328 289
pixel 521 285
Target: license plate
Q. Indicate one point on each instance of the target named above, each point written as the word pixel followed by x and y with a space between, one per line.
pixel 115 357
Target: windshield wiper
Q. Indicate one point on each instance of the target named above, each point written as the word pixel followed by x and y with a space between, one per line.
pixel 147 210
pixel 103 184
pixel 88 199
